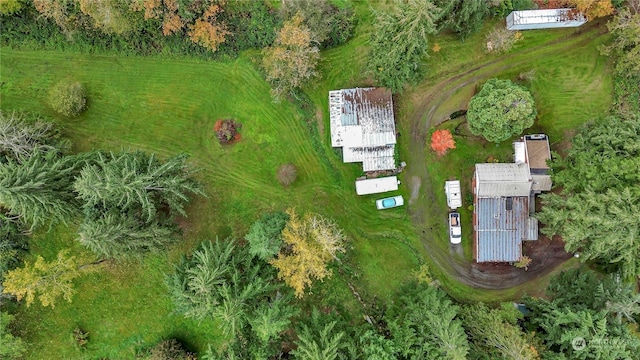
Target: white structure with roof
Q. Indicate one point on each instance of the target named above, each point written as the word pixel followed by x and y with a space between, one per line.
pixel 503 179
pixel 544 19
pixel 377 185
pixel 454 197
pixel 362 124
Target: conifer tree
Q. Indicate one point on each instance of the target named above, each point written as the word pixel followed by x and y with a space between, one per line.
pixel 39 189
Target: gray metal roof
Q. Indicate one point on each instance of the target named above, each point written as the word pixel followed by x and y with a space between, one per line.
pixel 502 179
pixel 499 231
pixel 362 123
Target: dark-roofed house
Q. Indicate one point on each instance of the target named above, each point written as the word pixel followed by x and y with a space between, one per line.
pixel 504 197
pixel 362 124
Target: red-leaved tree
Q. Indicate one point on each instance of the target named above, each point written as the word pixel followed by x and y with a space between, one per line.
pixel 441 141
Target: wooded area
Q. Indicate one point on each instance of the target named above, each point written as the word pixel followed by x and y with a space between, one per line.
pixel 254 246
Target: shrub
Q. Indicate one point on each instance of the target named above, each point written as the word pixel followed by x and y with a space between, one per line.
pixel 227 131
pixel 81 338
pixel 170 349
pixel 287 174
pixel 502 40
pixel 68 98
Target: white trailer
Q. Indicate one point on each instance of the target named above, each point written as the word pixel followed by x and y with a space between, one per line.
pixel 378 185
pixel 454 197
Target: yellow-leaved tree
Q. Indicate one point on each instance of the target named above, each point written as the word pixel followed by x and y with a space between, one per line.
pixel 49 280
pixel 311 242
pixel 293 58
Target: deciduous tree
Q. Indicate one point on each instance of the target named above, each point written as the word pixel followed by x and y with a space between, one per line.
pixel 292 60
pixel 48 280
pixel 500 110
pixel 107 15
pixel 207 31
pixel 441 141
pixel 312 241
pixel 68 98
pixel 592 8
pixel 21 135
pixel 287 174
pixel 10 7
pixel 329 24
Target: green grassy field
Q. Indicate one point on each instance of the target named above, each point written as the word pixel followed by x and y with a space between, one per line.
pixel 170 106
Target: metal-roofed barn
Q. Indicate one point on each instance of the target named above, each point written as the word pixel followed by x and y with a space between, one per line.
pixel 501 211
pixel 544 19
pixel 362 124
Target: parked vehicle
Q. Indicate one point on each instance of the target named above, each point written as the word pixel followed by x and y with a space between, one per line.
pixel 455 230
pixel 390 202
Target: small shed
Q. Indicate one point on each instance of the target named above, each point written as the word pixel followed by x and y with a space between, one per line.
pixel 544 19
pixel 377 185
pixel 454 197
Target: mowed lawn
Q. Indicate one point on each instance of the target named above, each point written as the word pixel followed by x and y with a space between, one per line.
pixel 168 107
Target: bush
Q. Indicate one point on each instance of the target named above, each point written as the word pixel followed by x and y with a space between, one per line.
pixel 227 131
pixel 68 98
pixel 81 338
pixel 287 174
pixel 170 349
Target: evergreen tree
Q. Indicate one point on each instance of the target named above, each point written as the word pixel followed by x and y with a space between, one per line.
pixel 598 211
pixel 136 180
pixel 319 340
pixel 115 235
pixel 424 325
pixel 399 42
pixel 264 236
pixel 39 189
pixel 495 330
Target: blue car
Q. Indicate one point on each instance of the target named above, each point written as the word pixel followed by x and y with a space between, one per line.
pixel 390 202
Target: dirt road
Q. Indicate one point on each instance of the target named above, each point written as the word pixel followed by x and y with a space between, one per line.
pixel 427 104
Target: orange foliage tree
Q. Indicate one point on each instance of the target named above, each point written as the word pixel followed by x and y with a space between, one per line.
pixel 593 8
pixel 206 32
pixel 441 141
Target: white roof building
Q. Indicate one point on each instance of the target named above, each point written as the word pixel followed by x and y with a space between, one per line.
pixel 377 185
pixel 362 124
pixel 502 179
pixel 544 19
pixel 454 197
